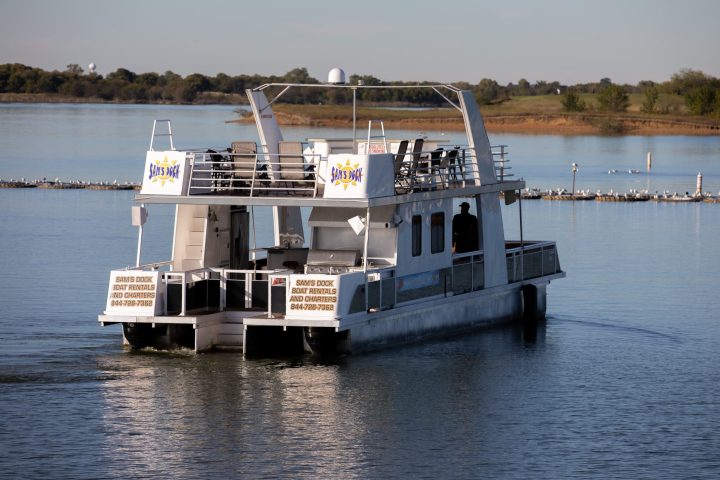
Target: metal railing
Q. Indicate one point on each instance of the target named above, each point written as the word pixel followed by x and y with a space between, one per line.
pixel 385 290
pixel 260 174
pixel 531 260
pixel 212 289
pixel 452 167
pixel 221 289
pixel 226 173
pixel 223 172
pixel 500 161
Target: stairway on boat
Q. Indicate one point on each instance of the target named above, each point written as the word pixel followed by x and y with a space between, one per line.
pixel 189 248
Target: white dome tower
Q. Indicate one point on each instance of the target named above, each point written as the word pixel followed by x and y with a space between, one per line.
pixel 336 76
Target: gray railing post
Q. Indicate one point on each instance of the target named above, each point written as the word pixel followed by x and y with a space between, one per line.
pixel 223 290
pixel 165 296
pixel 183 296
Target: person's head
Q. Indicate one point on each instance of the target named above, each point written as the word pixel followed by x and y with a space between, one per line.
pixel 464 207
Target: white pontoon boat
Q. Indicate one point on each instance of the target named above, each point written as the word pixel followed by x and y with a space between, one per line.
pixel 374 265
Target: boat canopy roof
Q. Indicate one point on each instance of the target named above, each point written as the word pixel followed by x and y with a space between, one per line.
pixel 435 87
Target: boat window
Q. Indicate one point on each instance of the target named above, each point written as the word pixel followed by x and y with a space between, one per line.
pixel 416 235
pixel 437 232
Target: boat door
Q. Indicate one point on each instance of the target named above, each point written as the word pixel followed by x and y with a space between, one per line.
pixel 239 238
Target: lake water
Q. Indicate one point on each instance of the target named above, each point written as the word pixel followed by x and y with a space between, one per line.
pixel 623 380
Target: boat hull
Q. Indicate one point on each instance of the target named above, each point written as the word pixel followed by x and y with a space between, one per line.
pixel 263 337
pixel 408 324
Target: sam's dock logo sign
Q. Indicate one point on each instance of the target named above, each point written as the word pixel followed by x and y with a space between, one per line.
pixel 164 170
pixel 346 175
pixel 165 173
pixel 360 175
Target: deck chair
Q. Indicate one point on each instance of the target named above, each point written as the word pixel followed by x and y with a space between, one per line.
pixel 244 167
pixel 413 169
pixel 218 170
pixel 456 165
pixel 452 165
pixel 401 185
pixel 442 169
pixel 293 171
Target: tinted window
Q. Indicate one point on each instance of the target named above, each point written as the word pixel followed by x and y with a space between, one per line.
pixel 437 232
pixel 416 235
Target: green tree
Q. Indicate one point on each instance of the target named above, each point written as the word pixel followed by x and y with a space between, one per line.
pixel 487 91
pixel 524 87
pixel 613 98
pixel 122 74
pixel 74 69
pixel 198 81
pixel 686 80
pixel 572 101
pixel 649 104
pixel 701 100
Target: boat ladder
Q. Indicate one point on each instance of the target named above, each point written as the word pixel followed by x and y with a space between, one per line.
pixel 166 133
pixel 376 139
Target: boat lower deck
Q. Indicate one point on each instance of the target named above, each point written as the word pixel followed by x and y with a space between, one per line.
pixel 259 333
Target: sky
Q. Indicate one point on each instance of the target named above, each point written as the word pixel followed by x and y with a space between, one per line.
pixel 409 40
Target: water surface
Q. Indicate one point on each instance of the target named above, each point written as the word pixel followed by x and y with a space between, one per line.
pixel 621 382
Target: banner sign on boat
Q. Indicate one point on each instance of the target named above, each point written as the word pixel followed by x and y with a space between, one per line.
pixel 133 292
pixel 165 173
pixel 316 296
pixel 346 175
pixel 359 176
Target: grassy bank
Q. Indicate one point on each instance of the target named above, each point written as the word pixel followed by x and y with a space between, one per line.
pixel 532 114
pixel 541 114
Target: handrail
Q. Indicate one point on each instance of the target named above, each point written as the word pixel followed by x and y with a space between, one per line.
pixel 222 172
pixel 232 173
pixel 188 276
pixel 385 289
pixel 537 260
pixel 501 166
pixel 436 170
pixel 529 245
pixel 148 266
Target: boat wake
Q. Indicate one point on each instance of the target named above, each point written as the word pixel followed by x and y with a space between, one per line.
pixel 614 326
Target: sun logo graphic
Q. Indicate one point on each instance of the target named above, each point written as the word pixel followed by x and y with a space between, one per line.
pixel 164 171
pixel 346 174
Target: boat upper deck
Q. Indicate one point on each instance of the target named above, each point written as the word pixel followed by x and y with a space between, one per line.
pixel 354 172
pixel 314 173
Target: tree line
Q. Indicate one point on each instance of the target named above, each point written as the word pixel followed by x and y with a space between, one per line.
pixel 700 91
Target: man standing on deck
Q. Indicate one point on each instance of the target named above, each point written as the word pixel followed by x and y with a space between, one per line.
pixel 464 230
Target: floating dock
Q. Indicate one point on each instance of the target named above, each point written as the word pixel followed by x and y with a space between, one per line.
pixel 529 194
pixel 72 185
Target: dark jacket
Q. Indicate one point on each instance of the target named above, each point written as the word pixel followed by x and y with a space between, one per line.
pixel 465 232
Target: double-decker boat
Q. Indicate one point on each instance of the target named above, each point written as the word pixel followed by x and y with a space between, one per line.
pixel 381 259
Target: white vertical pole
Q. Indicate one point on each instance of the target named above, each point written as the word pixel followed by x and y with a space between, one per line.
pixel 365 256
pixel 522 241
pixel 139 247
pixel 354 147
pixel 698 186
pixel 140 234
pixel 183 297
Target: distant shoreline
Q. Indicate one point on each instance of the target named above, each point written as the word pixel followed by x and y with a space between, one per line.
pixel 528 123
pixel 532 123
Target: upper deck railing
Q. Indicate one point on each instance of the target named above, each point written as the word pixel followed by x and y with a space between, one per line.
pixel 500 161
pixel 228 173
